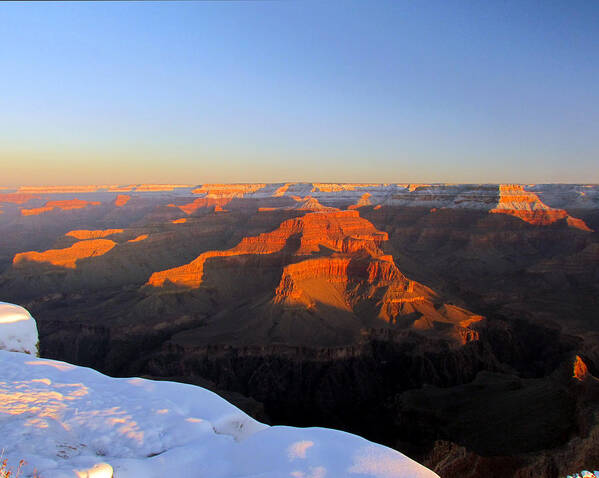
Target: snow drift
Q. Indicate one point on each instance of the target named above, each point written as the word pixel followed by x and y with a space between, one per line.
pixel 70 421
pixel 18 332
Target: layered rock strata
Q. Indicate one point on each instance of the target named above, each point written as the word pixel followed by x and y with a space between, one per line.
pixel 525 205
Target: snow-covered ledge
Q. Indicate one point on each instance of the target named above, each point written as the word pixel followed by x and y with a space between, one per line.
pixel 18 332
pixel 67 421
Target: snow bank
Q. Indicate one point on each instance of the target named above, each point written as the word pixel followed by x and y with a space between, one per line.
pixel 18 332
pixel 69 421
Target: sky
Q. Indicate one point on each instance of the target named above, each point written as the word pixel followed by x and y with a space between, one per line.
pixel 268 91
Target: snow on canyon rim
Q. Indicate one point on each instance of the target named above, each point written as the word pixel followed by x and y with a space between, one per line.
pixel 70 421
pixel 18 332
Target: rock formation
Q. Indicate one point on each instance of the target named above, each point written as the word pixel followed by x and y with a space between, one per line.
pixel 580 369
pixel 516 201
pixel 64 205
pixel 363 201
pixel 199 203
pixel 121 200
pixel 83 234
pixel 17 198
pixel 67 257
pixel 139 238
pixel 334 259
pixel 310 203
pixel 332 230
pixel 160 187
pixel 227 190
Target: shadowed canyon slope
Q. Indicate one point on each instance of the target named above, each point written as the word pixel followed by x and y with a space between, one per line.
pixel 457 323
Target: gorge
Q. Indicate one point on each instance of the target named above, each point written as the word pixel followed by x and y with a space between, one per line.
pixel 455 323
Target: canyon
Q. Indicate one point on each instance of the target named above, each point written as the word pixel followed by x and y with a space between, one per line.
pixel 455 323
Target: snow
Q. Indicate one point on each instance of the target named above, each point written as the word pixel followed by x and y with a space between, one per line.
pixel 70 421
pixel 18 332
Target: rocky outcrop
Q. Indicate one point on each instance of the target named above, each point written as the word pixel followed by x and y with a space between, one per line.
pixel 338 187
pixel 516 201
pixel 328 260
pixel 307 203
pixel 363 201
pixel 66 257
pixel 17 198
pixel 139 238
pixel 36 211
pixel 580 369
pixel 227 190
pixel 121 200
pixel 200 203
pixel 83 234
pixel 64 205
pixel 160 187
pixel 342 231
pixel 310 203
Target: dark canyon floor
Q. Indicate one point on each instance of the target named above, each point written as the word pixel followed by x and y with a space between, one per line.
pixel 457 324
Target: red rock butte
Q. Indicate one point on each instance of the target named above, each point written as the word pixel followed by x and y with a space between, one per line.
pixel 83 234
pixel 121 200
pixel 67 257
pixel 200 203
pixel 580 369
pixel 516 201
pixel 341 230
pixel 139 238
pixel 333 258
pixel 363 201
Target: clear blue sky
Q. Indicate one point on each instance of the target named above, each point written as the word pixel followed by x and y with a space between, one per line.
pixel 192 92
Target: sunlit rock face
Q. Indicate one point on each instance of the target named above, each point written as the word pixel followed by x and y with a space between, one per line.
pixel 227 190
pixel 310 203
pixel 17 198
pixel 330 230
pixel 160 187
pixel 67 257
pixel 121 200
pixel 141 237
pixel 18 331
pixel 201 203
pixel 580 369
pixel 328 260
pixel 83 234
pixel 63 205
pixel 516 201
